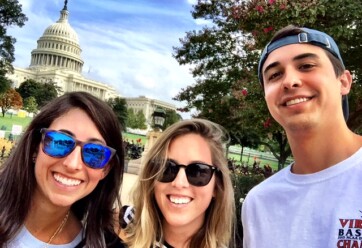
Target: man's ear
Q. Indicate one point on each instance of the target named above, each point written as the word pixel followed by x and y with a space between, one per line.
pixel 346 82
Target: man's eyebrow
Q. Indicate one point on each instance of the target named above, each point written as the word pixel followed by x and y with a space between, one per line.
pixel 270 66
pixel 298 57
pixel 306 55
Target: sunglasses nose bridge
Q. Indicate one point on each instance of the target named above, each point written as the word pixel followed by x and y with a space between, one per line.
pixel 181 180
pixel 74 159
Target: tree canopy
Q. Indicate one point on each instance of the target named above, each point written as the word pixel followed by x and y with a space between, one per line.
pixel 30 104
pixel 171 117
pixel 5 83
pixel 42 92
pixel 136 119
pixel 10 99
pixel 10 15
pixel 224 57
pixel 119 107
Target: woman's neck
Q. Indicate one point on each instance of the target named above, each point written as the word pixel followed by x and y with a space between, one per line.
pixel 58 225
pixel 178 237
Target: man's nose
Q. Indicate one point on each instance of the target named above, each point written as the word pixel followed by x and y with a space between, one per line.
pixel 291 79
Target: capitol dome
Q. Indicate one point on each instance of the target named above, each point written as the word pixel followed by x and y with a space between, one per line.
pixel 62 29
pixel 58 47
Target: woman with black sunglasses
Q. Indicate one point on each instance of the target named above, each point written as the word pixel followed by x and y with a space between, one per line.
pixel 184 195
pixel 62 181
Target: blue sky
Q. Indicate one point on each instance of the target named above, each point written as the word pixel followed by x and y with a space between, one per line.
pixel 125 43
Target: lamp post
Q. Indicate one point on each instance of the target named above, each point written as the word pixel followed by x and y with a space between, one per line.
pixel 158 117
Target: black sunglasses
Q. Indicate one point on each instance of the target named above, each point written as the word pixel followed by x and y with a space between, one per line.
pixel 198 174
pixel 59 145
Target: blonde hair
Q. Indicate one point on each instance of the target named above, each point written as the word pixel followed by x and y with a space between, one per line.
pixel 218 228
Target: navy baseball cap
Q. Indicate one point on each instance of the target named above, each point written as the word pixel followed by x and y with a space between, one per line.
pixel 307 36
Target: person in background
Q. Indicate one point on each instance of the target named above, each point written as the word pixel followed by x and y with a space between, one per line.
pixel 315 201
pixel 184 195
pixel 61 183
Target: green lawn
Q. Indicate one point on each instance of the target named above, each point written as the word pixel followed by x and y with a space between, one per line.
pixel 7 122
pixel 134 137
pixel 250 161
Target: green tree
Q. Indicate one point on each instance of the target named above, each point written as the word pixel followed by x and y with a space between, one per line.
pixel 48 92
pixel 224 58
pixel 29 88
pixel 140 120
pixel 136 119
pixel 5 83
pixel 171 117
pixel 10 99
pixel 42 92
pixel 119 107
pixel 131 118
pixel 244 138
pixel 10 15
pixel 30 104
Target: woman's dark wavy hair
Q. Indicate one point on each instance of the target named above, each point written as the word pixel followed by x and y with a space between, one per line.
pixel 17 176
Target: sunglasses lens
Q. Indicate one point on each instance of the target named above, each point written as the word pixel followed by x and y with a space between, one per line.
pixel 57 144
pixel 95 155
pixel 198 174
pixel 170 172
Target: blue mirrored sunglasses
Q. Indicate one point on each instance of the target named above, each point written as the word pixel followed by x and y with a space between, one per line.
pixel 59 145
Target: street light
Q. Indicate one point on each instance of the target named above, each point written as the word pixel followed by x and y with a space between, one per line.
pixel 159 118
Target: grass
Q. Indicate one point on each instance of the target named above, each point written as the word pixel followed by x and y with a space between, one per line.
pixel 250 160
pixel 8 121
pixel 134 137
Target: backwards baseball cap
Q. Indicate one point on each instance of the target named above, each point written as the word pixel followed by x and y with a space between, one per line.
pixel 306 36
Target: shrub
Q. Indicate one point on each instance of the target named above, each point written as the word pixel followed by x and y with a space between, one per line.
pixel 244 179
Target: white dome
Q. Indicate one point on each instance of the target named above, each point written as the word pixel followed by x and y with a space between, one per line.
pixel 58 47
pixel 62 28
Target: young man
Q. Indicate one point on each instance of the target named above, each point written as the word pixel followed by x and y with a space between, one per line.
pixel 317 200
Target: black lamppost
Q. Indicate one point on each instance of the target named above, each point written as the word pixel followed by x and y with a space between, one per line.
pixel 159 118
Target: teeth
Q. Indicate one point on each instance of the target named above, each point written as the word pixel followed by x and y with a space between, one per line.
pixel 180 200
pixel 66 181
pixel 295 101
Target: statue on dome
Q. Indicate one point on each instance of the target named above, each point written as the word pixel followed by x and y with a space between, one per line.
pixel 65 5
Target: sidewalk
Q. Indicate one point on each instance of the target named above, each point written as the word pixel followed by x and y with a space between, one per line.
pixel 128 181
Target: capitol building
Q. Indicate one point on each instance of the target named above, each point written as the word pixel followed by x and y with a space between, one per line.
pixel 57 59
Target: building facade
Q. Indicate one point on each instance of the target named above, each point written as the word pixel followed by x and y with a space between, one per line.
pixel 147 106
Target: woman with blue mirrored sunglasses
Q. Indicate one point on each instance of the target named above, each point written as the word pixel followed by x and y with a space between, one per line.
pixel 62 181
